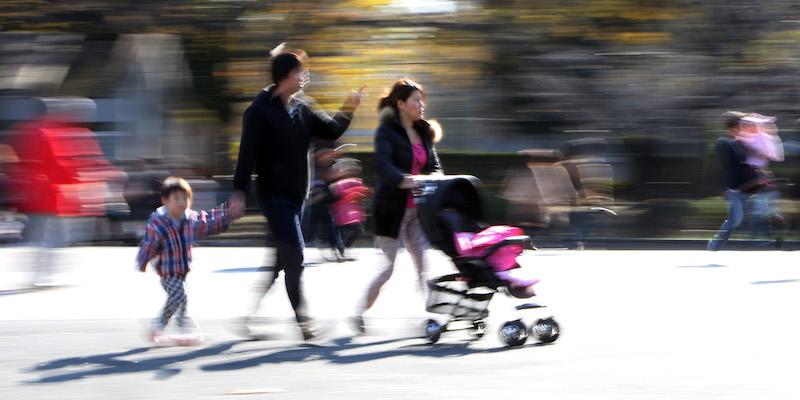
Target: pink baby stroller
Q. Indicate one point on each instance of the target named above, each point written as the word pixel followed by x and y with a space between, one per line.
pixel 485 256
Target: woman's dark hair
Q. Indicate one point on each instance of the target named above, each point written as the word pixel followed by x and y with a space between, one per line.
pixel 401 90
pixel 283 63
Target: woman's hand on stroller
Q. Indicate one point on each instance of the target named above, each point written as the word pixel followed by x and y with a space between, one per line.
pixel 409 182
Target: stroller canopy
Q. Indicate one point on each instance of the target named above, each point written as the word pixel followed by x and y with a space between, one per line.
pixel 450 204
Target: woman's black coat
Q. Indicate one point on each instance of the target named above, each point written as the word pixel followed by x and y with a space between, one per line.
pixel 393 159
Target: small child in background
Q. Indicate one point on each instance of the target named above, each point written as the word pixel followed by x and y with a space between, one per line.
pixel 760 136
pixel 349 191
pixel 171 231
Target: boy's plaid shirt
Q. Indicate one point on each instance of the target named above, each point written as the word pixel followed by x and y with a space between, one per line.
pixel 172 241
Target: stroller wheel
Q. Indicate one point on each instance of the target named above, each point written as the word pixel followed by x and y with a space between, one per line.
pixel 433 330
pixel 546 330
pixel 514 333
pixel 478 329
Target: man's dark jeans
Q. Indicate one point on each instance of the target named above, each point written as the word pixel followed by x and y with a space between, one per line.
pixel 283 217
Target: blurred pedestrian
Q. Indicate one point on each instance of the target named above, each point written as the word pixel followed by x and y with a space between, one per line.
pixel 349 214
pixel 318 228
pixel 12 223
pixel 170 234
pixel 60 180
pixel 404 148
pixel 741 179
pixel 276 133
pixel 760 137
pixel 593 181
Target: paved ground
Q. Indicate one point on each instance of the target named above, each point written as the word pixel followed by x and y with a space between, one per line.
pixel 636 325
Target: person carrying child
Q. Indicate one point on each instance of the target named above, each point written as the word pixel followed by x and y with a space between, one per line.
pixel 171 231
pixel 759 134
pixel 741 179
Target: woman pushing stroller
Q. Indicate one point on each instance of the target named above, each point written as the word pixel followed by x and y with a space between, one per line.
pixel 404 147
pixel 448 216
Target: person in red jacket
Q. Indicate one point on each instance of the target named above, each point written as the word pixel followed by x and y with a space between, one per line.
pixel 61 177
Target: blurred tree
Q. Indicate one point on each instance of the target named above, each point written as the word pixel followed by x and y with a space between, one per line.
pixel 515 68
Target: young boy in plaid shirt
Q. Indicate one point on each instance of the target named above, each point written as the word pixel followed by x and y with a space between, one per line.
pixel 171 231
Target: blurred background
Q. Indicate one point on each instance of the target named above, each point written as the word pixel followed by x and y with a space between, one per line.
pixel 583 118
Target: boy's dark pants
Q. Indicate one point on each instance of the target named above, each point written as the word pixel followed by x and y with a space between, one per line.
pixel 176 300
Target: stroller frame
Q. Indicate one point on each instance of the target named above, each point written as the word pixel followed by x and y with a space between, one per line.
pixel 465 296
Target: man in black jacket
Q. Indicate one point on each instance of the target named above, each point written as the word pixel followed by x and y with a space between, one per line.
pixel 741 179
pixel 276 136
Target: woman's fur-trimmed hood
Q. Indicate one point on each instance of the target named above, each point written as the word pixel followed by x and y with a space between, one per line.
pixel 429 128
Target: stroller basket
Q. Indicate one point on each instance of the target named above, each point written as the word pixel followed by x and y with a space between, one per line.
pixel 449 295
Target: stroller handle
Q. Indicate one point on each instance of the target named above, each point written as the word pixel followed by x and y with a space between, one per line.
pixel 525 241
pixel 428 184
pixel 423 189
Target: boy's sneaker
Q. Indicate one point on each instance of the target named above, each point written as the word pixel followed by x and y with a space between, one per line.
pixel 154 333
pixel 187 324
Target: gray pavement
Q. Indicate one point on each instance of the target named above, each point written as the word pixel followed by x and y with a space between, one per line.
pixel 636 325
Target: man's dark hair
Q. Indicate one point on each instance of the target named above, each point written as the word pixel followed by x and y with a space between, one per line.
pixel 732 119
pixel 284 63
